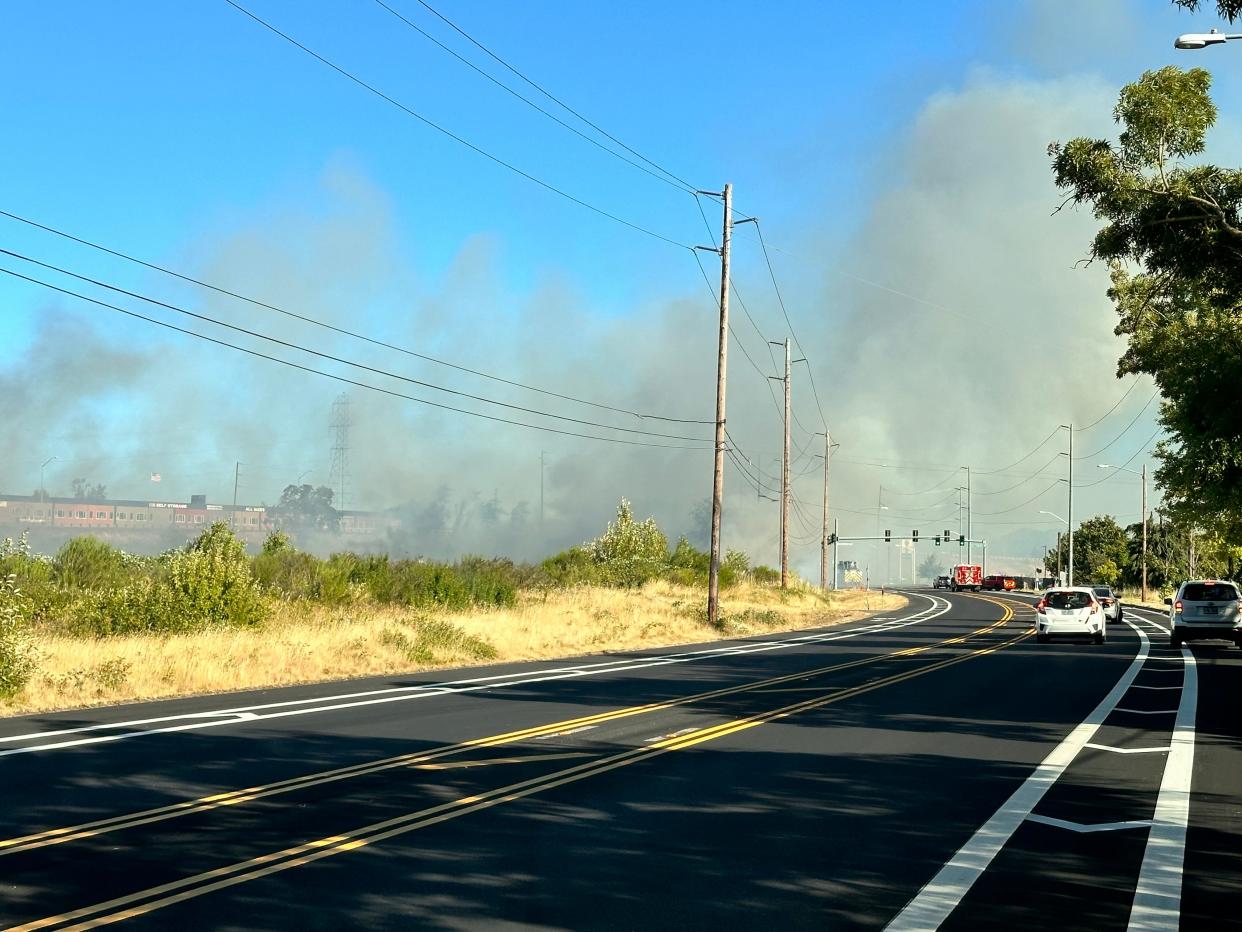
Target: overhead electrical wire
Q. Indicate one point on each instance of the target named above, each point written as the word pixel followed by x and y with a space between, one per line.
pixel 546 93
pixel 339 378
pixel 1117 469
pixel 1004 511
pixel 339 359
pixel 530 103
pixel 449 133
pixel 340 330
pixel 1133 384
pixel 1023 481
pixel 1039 446
pixel 793 333
pixel 1124 430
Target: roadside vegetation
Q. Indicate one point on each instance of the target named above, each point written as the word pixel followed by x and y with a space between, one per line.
pixel 92 624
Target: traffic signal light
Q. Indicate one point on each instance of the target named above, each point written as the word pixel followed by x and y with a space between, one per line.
pixel 888 536
pixel 937 539
pixel 961 540
pixel 947 536
pixel 832 538
pixel 915 535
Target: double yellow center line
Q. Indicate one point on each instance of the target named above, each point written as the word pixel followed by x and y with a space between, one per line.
pixel 157 897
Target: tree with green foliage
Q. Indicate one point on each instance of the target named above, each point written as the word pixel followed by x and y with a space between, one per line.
pixel 305 506
pixel 1227 9
pixel 1101 551
pixel 930 567
pixel 84 491
pixel 1180 221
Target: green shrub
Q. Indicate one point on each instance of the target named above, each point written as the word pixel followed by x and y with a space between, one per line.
pixel 572 567
pixel 18 657
pixel 207 584
pixel 435 640
pixel 765 575
pixel 89 563
pixel 629 552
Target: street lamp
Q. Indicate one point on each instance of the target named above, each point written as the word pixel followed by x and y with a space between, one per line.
pixel 1201 40
pixel 42 489
pixel 1069 522
pixel 1143 474
pixel 1053 514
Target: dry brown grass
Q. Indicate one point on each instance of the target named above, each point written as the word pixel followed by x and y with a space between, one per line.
pixel 307 643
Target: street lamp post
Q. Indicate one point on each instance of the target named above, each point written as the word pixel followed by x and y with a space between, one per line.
pixel 42 488
pixel 1052 514
pixel 1069 521
pixel 1143 475
pixel 1193 41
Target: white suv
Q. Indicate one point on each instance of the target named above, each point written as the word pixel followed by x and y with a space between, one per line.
pixel 1205 608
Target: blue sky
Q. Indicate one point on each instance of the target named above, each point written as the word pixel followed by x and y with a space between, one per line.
pixel 191 136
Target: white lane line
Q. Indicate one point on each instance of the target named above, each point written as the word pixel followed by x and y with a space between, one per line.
pixel 1158 896
pixel 1149 711
pixel 1109 747
pixel 216 719
pixel 503 679
pixel 940 895
pixel 1085 827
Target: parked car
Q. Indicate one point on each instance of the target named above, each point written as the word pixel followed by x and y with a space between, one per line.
pixel 1205 608
pixel 1110 600
pixel 1070 610
pixel 942 582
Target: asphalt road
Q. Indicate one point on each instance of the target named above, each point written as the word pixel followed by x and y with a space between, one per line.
pixel 929 768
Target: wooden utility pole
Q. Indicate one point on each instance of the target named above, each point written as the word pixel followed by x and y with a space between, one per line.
pixel 236 478
pixel 823 547
pixel 1144 532
pixel 722 360
pixel 785 480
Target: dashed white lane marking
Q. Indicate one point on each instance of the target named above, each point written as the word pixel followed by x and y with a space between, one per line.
pixel 120 731
pixel 940 895
pixel 562 734
pixel 673 734
pixel 1158 896
pixel 1109 747
pixel 1086 827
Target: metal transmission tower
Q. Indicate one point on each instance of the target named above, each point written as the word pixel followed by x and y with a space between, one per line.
pixel 339 474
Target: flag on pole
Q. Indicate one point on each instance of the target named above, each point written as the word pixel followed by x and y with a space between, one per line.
pixel 155 477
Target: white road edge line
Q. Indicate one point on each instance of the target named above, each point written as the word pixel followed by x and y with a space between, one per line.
pixel 1084 827
pixel 1158 896
pixel 940 895
pixel 246 715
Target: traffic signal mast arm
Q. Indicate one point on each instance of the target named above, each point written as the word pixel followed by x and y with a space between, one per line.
pixel 962 539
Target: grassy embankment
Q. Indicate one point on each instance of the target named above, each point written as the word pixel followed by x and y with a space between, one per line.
pixel 303 642
pixel 94 625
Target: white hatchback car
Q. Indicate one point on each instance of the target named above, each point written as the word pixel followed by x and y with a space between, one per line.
pixel 1070 610
pixel 1110 601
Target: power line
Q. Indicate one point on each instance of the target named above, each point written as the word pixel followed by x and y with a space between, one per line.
pixel 1004 511
pixel 781 301
pixel 449 133
pixel 340 330
pixel 1133 384
pixel 1124 430
pixel 1024 481
pixel 339 359
pixel 930 488
pixel 340 378
pixel 990 472
pixel 526 100
pixel 1117 469
pixel 550 96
